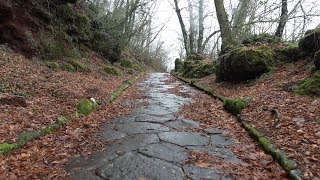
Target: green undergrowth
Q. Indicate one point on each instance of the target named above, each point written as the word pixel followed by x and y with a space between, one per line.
pixel 109 69
pixel 71 66
pixel 309 86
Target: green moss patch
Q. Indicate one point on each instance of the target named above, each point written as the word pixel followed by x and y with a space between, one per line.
pixel 75 66
pixel 52 65
pixel 5 148
pixel 109 69
pixel 127 63
pixel 86 106
pixel 309 86
pixel 234 106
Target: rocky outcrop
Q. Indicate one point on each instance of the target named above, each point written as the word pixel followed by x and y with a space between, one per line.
pixel 244 63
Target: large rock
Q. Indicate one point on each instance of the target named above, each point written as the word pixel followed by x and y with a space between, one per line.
pixel 310 43
pixel 197 69
pixel 244 63
pixel 178 64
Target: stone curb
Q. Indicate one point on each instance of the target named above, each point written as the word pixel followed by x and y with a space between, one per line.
pixel 287 164
pixel 25 137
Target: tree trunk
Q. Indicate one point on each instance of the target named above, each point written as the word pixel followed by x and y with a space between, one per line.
pixel 192 27
pixel 283 19
pixel 226 33
pixel 183 28
pixel 200 48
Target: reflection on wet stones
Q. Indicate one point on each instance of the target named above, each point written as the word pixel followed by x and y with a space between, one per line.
pixel 151 142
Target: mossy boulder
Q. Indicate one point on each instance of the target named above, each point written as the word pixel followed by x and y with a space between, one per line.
pixel 244 63
pixel 291 53
pixel 127 63
pixel 197 69
pixel 317 60
pixel 86 106
pixel 261 38
pixel 309 86
pixel 178 64
pixel 109 69
pixel 310 43
pixel 234 106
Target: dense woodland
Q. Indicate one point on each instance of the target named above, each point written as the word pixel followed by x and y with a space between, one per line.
pixel 63 64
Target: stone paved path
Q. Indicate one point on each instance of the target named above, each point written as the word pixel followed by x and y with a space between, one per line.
pixel 152 143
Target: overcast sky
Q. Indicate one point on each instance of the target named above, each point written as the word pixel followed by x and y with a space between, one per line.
pixel 172 31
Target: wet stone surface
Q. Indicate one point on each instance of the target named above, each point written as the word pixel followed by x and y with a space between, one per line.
pixel 152 143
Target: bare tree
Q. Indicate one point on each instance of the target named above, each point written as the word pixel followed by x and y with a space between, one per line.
pixel 183 28
pixel 283 19
pixel 226 33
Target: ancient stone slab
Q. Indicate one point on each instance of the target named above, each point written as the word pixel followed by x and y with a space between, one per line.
pixel 184 138
pixel 154 119
pixel 221 140
pixel 165 151
pixel 131 143
pixel 137 166
pixel 141 128
pixel 112 135
pixel 194 172
pixel 182 123
pixel 211 131
pixel 123 119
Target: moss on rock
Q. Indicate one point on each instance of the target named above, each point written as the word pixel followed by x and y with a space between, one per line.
pixel 310 43
pixel 234 106
pixel 109 69
pixel 309 86
pixel 86 106
pixel 292 53
pixel 244 63
pixel 178 65
pixel 197 69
